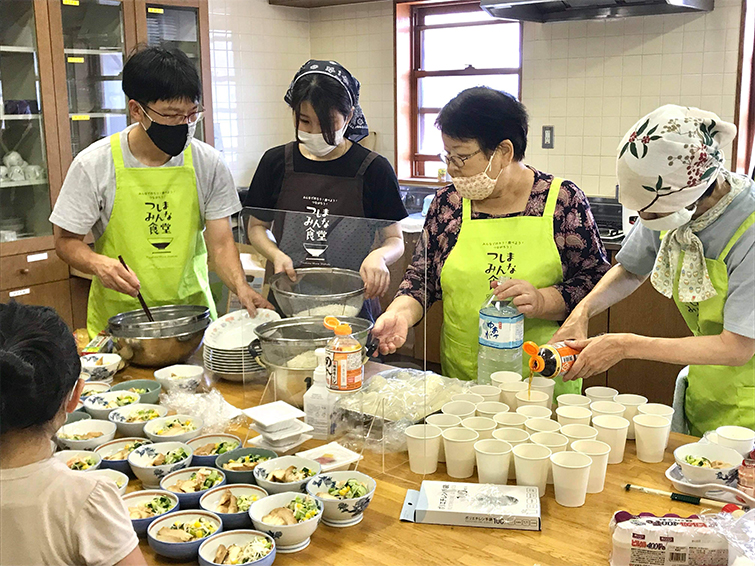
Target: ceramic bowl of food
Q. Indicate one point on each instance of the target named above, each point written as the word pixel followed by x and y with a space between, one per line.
pixel 86 434
pixel 146 506
pixel 94 388
pixel 101 405
pixel 79 460
pixel 190 484
pixel 100 367
pixel 115 453
pixel 707 463
pixel 180 376
pixel 182 543
pixel 289 517
pixel 148 389
pixel 152 462
pixel 131 419
pixel 344 496
pixel 239 464
pixel 254 548
pixel 175 428
pixel 208 447
pixel 287 473
pixel 119 479
pixel 77 416
pixel 231 503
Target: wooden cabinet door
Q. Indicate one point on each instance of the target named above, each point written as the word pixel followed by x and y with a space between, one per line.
pixel 56 295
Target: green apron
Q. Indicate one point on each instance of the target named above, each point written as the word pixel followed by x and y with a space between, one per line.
pixel 157 227
pixel 717 395
pixel 520 247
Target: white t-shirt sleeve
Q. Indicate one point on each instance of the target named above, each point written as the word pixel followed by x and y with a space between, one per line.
pixel 222 199
pixel 78 206
pixel 105 534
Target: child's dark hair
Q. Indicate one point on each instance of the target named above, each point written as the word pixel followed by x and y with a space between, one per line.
pixel 39 365
pixel 154 73
pixel 487 116
pixel 325 94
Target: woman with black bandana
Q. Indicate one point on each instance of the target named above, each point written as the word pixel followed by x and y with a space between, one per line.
pixel 330 180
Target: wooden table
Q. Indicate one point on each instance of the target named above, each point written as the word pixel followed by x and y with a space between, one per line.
pixel 569 536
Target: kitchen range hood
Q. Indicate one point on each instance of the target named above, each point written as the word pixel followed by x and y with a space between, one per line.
pixel 544 11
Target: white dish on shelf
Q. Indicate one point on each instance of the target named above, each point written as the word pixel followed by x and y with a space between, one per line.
pixel 235 330
pixel 727 493
pixel 342 456
pixel 288 434
pixel 275 416
pixel 259 442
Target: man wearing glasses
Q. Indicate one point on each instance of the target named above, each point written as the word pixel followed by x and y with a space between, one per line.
pixel 155 196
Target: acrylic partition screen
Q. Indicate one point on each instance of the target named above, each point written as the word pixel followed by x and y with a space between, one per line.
pixel 327 256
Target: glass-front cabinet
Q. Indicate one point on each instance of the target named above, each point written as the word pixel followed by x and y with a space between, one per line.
pixel 24 171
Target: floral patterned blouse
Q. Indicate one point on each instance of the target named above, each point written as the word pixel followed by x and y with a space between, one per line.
pixel 583 256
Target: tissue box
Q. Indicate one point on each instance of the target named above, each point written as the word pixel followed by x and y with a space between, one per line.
pixel 473 505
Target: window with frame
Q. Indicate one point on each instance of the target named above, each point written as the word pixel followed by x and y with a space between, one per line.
pixel 455 47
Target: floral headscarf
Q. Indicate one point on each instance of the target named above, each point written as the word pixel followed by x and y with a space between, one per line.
pixel 357 128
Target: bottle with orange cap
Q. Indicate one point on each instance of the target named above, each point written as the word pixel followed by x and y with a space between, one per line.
pixel 344 362
pixel 550 360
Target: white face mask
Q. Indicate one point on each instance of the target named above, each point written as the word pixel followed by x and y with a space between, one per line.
pixel 316 144
pixel 670 222
pixel 477 187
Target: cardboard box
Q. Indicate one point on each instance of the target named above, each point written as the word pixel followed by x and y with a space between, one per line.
pixel 473 505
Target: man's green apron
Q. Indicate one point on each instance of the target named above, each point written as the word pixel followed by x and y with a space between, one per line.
pixel 520 247
pixel 157 227
pixel 717 395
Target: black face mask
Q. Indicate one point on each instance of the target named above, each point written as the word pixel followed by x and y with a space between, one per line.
pixel 170 139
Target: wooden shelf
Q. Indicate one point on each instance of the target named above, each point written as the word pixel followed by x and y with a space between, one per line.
pixel 16 49
pixel 19 117
pixel 101 51
pixel 13 184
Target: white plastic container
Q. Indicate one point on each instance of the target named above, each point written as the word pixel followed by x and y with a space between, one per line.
pixel 319 401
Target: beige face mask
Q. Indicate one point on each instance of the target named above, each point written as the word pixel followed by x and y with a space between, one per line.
pixel 477 187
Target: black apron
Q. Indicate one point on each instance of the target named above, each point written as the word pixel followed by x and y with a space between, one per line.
pixel 328 228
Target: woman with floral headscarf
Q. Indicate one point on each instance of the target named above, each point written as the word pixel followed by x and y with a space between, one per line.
pixel 339 197
pixel 696 242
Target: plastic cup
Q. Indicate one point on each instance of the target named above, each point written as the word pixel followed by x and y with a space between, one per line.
pixel 515 437
pixel 546 386
pixel 538 398
pixel 631 402
pixel 471 397
pixel 511 420
pixel 461 409
pixel 573 400
pixel 487 392
pixel 535 412
pixel 423 443
pixel 600 393
pixel 483 426
pixel 499 377
pixel 651 433
pixel 572 414
pixel 607 408
pixel 460 455
pixel 553 440
pixel 491 408
pixel 737 437
pixel 571 475
pixel 493 460
pixel 443 422
pixel 531 463
pixel 658 409
pixel 576 432
pixel 613 431
pixel 509 391
pixel 598 451
pixel 541 425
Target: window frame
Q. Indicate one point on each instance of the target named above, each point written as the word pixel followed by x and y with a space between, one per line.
pixel 418 14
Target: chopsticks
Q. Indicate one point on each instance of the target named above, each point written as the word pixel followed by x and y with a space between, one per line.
pixel 139 295
pixel 693 499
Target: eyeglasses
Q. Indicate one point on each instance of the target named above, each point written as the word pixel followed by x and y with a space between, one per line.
pixel 191 118
pixel 457 161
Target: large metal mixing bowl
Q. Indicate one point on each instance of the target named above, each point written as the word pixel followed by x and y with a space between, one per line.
pixel 296 339
pixel 319 291
pixel 172 338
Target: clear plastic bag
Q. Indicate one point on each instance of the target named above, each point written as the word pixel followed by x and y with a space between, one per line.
pixel 218 415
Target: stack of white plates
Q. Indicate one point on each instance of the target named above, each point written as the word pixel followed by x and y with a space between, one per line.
pixel 279 426
pixel 226 342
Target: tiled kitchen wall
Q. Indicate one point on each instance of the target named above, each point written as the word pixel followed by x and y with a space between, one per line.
pixel 360 37
pixel 592 80
pixel 256 49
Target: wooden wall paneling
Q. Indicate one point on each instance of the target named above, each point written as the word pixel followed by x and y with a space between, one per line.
pixel 57 47
pixel 56 295
pixel 598 325
pixel 79 299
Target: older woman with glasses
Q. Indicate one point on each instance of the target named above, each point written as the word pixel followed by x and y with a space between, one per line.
pixel 501 224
